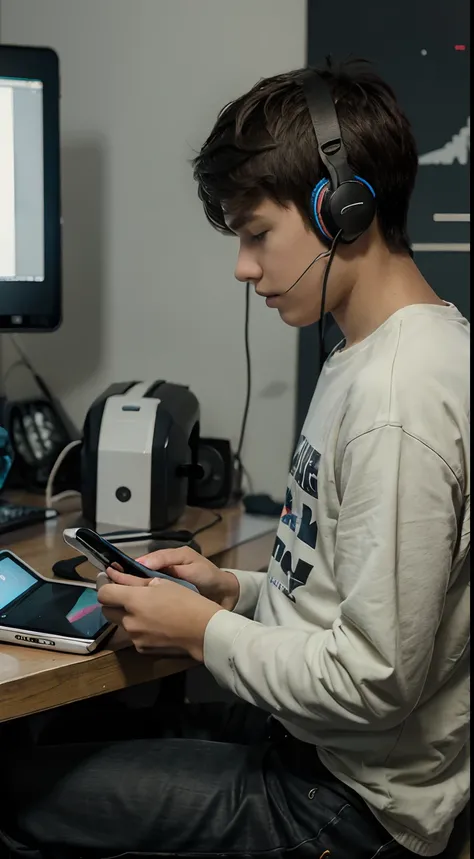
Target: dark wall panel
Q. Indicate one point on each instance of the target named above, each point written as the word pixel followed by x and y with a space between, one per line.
pixel 421 47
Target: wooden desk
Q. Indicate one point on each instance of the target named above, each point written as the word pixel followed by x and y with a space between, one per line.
pixel 32 680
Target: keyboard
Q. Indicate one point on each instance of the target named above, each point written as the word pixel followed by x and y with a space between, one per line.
pixel 13 516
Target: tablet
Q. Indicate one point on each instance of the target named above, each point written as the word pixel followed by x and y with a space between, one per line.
pixel 38 612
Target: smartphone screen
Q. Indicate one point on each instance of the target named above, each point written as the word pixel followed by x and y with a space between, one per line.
pixel 28 602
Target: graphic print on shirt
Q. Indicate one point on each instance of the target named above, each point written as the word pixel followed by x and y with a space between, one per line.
pixel 297 515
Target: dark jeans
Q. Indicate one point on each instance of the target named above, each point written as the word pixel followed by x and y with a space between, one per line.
pixel 198 780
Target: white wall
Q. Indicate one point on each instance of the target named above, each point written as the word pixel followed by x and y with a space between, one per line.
pixel 148 285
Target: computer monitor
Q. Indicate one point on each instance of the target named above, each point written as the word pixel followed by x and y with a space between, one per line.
pixel 30 218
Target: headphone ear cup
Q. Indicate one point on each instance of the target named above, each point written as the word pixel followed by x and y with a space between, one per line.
pixel 320 210
pixel 351 208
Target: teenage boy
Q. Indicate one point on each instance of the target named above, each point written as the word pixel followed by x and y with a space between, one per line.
pixel 351 656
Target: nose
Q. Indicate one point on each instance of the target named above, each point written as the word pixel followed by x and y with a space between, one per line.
pixel 247 268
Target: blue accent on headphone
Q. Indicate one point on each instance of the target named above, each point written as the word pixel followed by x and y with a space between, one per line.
pixel 314 200
pixel 317 190
pixel 364 181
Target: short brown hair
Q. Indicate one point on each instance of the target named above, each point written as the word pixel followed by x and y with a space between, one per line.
pixel 263 146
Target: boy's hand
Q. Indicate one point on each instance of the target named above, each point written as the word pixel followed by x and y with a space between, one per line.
pixel 217 585
pixel 161 615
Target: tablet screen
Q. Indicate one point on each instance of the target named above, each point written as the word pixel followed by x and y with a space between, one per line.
pixel 51 607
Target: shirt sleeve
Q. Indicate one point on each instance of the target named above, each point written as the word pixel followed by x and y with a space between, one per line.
pixel 250 585
pixel 395 542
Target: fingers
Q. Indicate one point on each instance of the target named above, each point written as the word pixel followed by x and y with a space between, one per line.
pixel 116 566
pixel 156 582
pixel 113 615
pixel 182 571
pixel 114 596
pixel 125 579
pixel 168 558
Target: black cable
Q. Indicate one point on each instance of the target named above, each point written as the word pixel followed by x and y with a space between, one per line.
pixel 249 374
pixel 248 479
pixel 179 535
pixel 27 363
pixel 209 524
pixel 10 370
pixel 322 320
pixel 41 385
pixel 117 537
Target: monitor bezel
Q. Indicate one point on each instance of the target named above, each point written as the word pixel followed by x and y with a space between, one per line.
pixel 39 304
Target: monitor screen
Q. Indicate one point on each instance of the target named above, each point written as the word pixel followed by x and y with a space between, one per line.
pixel 30 223
pixel 21 180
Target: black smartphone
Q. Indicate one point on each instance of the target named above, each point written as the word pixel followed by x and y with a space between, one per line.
pixel 103 554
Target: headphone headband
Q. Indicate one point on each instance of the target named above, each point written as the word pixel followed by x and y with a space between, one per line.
pixel 344 204
pixel 326 128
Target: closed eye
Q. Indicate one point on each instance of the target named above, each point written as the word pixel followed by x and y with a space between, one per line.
pixel 259 237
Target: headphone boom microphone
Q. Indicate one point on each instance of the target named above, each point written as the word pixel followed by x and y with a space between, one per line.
pixel 319 256
pixel 330 254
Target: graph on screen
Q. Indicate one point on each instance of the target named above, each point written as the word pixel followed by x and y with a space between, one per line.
pixel 454 153
pixel 456 149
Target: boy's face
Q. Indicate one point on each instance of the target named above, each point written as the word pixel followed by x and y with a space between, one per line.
pixel 276 246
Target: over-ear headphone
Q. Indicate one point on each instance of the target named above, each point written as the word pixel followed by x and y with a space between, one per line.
pixel 344 204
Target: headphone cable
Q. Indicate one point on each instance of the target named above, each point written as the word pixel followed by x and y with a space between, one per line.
pixel 248 363
pixel 249 372
pixel 322 316
pixel 322 329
